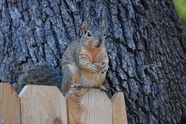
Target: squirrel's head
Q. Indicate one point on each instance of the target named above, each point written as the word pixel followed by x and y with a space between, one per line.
pixel 93 36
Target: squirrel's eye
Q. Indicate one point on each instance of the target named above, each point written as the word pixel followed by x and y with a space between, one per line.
pixel 89 34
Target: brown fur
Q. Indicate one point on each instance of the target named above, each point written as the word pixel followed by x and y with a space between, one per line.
pixel 85 61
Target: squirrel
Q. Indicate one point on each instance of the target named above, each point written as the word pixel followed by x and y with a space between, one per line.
pixel 84 63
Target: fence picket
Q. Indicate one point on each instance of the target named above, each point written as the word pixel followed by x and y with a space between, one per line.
pixel 47 105
pixel 119 109
pixel 88 106
pixel 9 105
pixel 42 105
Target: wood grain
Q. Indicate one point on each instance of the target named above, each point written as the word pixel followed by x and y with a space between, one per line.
pixel 88 106
pixel 42 105
pixel 9 105
pixel 119 109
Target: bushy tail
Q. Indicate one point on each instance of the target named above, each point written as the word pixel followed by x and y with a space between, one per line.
pixel 41 74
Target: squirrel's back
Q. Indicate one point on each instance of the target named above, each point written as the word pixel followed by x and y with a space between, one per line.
pixel 69 56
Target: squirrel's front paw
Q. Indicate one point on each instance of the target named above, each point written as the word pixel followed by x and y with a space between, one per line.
pixel 104 67
pixel 93 67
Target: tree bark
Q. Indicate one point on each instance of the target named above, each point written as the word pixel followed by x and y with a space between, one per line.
pixel 145 41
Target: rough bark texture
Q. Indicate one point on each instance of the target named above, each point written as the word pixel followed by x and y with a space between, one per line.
pixel 145 40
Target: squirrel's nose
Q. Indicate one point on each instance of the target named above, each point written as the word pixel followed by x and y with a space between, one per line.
pixel 100 39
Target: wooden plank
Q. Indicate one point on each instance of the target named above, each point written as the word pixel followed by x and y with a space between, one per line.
pixel 119 109
pixel 42 105
pixel 88 106
pixel 9 105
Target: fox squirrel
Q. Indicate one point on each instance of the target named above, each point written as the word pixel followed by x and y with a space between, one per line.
pixel 84 63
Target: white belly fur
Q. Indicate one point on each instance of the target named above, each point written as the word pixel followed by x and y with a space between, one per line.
pixel 92 79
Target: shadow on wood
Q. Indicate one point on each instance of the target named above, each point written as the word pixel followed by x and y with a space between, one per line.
pixel 88 106
pixel 9 105
pixel 119 115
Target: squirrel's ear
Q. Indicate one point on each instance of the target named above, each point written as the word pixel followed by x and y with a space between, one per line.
pixel 84 27
pixel 103 25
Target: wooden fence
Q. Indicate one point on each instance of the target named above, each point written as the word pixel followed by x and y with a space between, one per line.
pixel 46 105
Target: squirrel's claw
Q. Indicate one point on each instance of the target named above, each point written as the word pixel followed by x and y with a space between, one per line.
pixel 93 68
pixel 76 86
pixel 101 87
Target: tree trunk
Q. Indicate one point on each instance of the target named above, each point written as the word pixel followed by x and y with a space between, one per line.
pixel 145 41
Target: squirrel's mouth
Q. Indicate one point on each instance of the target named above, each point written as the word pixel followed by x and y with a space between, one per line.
pixel 98 45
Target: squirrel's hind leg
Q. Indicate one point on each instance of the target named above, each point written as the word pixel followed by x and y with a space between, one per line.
pixel 71 77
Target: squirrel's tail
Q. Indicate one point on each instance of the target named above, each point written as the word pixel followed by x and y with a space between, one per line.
pixel 41 74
